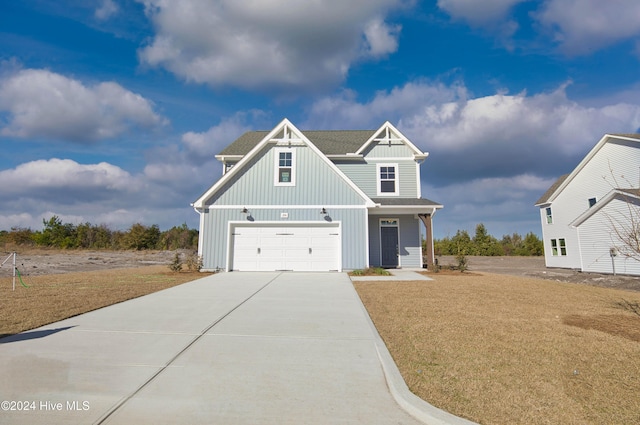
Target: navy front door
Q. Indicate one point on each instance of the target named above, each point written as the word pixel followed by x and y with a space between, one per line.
pixel 389 242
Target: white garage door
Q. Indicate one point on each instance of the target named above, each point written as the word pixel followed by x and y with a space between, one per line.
pixel 299 247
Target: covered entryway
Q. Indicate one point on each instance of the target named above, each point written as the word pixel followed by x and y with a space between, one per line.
pixel 389 242
pixel 279 246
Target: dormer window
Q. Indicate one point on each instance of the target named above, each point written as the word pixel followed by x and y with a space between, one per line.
pixel 388 180
pixel 285 167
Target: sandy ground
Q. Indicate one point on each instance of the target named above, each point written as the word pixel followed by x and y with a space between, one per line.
pixel 534 267
pixel 42 262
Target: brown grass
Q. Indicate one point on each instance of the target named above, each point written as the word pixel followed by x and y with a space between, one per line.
pixel 499 349
pixel 51 298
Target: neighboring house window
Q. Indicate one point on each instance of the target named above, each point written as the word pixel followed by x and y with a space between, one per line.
pixel 388 179
pixel 549 217
pixel 592 202
pixel 558 247
pixel 285 167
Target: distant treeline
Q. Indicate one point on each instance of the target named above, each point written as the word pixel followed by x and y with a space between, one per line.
pixel 57 234
pixel 483 243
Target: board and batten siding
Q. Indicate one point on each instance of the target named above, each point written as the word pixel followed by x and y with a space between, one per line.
pixel 216 237
pixel 594 180
pixel 365 176
pixel 598 235
pixel 383 150
pixel 315 183
pixel 409 240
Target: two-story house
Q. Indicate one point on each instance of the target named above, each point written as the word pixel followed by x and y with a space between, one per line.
pixel 316 201
pixel 586 213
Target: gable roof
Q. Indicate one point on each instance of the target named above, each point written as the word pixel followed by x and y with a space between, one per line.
pixel 290 134
pixel 544 198
pixel 563 181
pixel 627 195
pixel 329 142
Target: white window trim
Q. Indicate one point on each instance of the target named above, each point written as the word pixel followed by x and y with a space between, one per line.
pixel 276 174
pixel 397 226
pixel 548 215
pixel 378 180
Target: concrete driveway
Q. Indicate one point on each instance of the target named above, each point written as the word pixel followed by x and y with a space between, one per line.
pixel 232 348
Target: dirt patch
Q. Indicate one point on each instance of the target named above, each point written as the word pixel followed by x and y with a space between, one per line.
pixel 534 267
pixel 48 298
pixel 38 262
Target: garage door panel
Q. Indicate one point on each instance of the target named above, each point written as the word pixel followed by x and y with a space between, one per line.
pixel 299 247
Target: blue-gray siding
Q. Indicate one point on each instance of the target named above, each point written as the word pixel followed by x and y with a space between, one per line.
pixel 364 175
pixel 215 235
pixel 396 149
pixel 410 243
pixel 316 183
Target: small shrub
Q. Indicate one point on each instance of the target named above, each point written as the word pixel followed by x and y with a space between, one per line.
pixel 176 264
pixel 380 271
pixel 462 262
pixel 358 272
pixel 194 262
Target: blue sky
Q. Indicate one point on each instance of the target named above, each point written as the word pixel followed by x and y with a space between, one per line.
pixel 111 111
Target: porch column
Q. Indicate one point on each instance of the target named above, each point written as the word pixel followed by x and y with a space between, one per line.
pixel 428 224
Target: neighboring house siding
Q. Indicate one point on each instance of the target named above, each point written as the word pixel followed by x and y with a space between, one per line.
pixel 594 180
pixel 353 228
pixel 598 236
pixel 365 176
pixel 315 183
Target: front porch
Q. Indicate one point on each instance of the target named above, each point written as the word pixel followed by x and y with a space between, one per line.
pixel 395 233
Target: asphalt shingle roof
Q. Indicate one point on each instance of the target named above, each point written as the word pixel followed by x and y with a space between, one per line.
pixel 544 198
pixel 330 142
pixel 404 201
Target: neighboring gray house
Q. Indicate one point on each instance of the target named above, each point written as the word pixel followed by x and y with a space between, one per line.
pixel 584 213
pixel 316 201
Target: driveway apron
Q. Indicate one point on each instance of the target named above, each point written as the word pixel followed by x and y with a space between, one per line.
pixel 231 348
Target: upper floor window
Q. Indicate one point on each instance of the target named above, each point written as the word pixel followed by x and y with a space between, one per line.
pixel 388 179
pixel 285 167
pixel 592 202
pixel 549 216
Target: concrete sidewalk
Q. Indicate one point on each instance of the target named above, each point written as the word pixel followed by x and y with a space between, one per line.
pixel 232 348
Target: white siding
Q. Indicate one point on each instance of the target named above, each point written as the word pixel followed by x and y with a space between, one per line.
pixel 598 236
pixel 594 180
pixel 215 239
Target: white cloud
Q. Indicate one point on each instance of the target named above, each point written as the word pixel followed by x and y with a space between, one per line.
pixel 478 12
pixel 381 39
pixel 202 146
pixel 262 44
pixel 106 10
pixel 64 175
pixel 582 26
pixel 503 204
pixel 44 104
pixel 444 118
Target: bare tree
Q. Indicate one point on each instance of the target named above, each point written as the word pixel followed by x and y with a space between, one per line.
pixel 625 225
